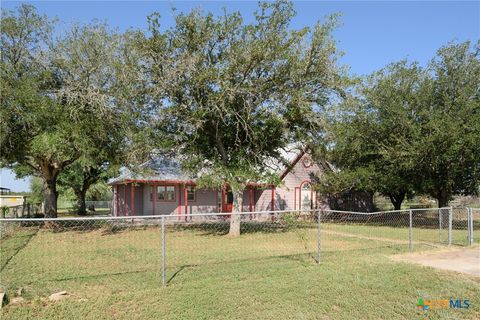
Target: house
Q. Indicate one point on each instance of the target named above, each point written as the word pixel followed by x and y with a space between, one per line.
pixel 168 190
pixel 7 199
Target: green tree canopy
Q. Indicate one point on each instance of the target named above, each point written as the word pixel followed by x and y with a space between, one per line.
pixel 412 129
pixel 63 97
pixel 232 95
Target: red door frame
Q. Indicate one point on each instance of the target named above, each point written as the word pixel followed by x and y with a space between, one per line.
pixel 300 194
pixel 226 207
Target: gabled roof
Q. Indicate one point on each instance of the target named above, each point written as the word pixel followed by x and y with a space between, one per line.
pixel 168 169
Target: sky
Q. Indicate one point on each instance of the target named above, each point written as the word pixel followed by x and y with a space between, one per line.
pixel 372 33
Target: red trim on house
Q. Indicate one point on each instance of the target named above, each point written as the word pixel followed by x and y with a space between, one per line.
pixel 158 182
pixel 132 199
pixel 185 200
pixel 300 194
pixel 254 200
pixel 179 207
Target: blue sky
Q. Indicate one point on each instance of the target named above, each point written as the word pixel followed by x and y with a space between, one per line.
pixel 372 34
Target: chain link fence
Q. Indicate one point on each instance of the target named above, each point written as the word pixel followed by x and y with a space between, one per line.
pixel 41 253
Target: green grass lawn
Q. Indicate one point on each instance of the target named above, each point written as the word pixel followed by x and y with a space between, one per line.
pixel 263 274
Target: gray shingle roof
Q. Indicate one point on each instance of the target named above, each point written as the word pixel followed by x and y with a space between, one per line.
pixel 164 168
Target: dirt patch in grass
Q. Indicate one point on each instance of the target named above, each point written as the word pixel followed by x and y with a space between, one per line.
pixel 464 260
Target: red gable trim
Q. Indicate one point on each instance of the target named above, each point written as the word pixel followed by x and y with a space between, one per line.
pixel 187 182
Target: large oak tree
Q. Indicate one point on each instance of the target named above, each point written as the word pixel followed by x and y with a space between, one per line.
pixel 63 95
pixel 232 94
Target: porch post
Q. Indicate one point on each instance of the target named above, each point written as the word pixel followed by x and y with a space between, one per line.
pixel 132 199
pixel 185 200
pixel 179 208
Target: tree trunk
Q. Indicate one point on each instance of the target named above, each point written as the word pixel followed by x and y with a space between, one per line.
pixel 50 195
pixel 235 218
pixel 442 198
pixel 397 200
pixel 81 207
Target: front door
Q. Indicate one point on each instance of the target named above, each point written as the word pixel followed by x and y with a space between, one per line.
pixel 227 201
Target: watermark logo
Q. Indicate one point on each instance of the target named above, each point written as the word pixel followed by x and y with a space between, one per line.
pixel 424 304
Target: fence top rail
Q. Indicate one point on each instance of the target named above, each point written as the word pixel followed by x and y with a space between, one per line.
pixel 160 216
pixel 171 216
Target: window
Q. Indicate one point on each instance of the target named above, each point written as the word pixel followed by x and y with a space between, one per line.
pixel 170 193
pixel 307 162
pixel 161 192
pixel 190 193
pixel 164 193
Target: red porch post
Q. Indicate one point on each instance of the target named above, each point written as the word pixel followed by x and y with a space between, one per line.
pixel 185 200
pixel 179 208
pixel 124 199
pixel 132 199
pixel 154 198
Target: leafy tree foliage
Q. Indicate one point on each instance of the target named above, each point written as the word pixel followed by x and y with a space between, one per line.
pixel 449 147
pixel 232 95
pixel 411 129
pixel 63 97
pixel 372 132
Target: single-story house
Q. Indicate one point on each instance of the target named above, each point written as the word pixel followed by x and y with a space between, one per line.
pixel 169 190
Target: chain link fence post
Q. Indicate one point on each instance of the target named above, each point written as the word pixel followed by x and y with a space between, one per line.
pixel 450 220
pixel 163 252
pixel 440 214
pixel 318 235
pixel 410 231
pixel 470 226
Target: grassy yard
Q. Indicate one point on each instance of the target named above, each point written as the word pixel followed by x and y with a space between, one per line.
pixel 269 273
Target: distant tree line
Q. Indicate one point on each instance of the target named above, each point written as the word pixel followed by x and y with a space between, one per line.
pixel 228 96
pixel 407 129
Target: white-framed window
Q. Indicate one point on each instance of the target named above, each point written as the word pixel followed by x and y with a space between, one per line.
pixel 190 193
